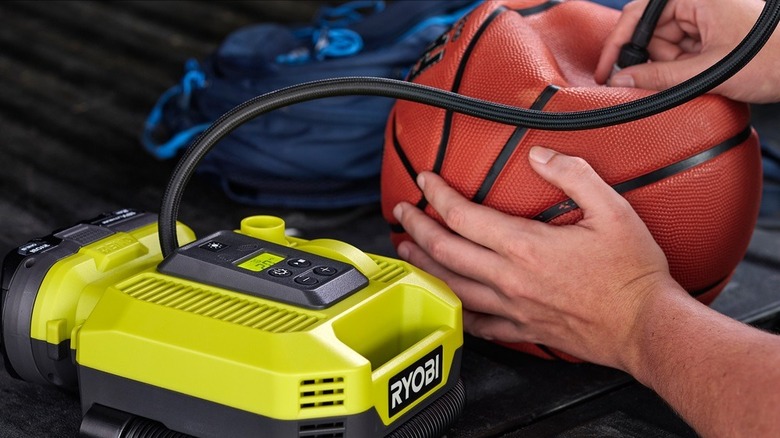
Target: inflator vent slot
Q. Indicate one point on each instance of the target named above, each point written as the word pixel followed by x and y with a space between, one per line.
pixel 318 393
pixel 330 429
pixel 219 306
pixel 388 271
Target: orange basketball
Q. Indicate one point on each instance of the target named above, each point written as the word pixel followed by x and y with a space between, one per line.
pixel 693 173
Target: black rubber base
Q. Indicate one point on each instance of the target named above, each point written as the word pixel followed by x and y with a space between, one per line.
pixel 104 422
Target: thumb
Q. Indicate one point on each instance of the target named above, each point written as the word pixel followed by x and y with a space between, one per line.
pixel 660 75
pixel 577 179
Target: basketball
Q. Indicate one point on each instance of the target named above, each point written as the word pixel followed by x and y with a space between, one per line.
pixel 693 173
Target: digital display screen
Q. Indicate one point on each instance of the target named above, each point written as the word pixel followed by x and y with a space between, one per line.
pixel 261 261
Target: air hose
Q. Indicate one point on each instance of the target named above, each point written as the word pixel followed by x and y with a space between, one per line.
pixel 635 51
pixel 398 89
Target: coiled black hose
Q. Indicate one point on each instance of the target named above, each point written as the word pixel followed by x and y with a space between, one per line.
pixel 434 421
pixel 102 422
pixel 145 428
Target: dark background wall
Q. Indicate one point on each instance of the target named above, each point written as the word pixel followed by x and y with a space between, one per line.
pixel 77 80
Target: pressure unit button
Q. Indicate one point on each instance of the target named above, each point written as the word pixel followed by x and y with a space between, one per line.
pixel 279 272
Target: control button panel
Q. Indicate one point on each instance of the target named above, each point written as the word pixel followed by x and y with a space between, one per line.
pixel 246 264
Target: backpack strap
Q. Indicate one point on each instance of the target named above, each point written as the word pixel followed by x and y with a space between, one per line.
pixel 182 92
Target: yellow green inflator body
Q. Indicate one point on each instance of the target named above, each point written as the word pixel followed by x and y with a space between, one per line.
pixel 243 333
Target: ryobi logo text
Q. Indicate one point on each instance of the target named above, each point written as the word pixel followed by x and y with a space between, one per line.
pixel 414 381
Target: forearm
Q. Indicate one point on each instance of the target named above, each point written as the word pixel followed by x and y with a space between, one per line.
pixel 721 376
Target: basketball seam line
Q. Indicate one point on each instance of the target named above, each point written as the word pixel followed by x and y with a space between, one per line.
pixel 422 203
pixel 654 176
pixel 511 145
pixel 538 9
pixel 548 351
pixel 445 135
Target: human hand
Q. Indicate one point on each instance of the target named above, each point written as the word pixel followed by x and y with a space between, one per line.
pixel 691 36
pixel 578 288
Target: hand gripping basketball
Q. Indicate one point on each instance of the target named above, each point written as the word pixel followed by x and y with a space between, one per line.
pixel 693 173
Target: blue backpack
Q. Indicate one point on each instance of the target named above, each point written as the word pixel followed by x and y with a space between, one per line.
pixel 315 155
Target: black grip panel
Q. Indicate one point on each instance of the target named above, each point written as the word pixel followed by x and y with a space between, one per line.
pixel 264 269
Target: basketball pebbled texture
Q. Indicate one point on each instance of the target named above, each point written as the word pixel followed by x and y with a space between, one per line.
pixel 693 173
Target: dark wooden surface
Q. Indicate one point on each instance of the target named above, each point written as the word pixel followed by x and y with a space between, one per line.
pixel 77 80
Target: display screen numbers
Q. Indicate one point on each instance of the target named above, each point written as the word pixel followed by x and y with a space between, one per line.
pixel 261 261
